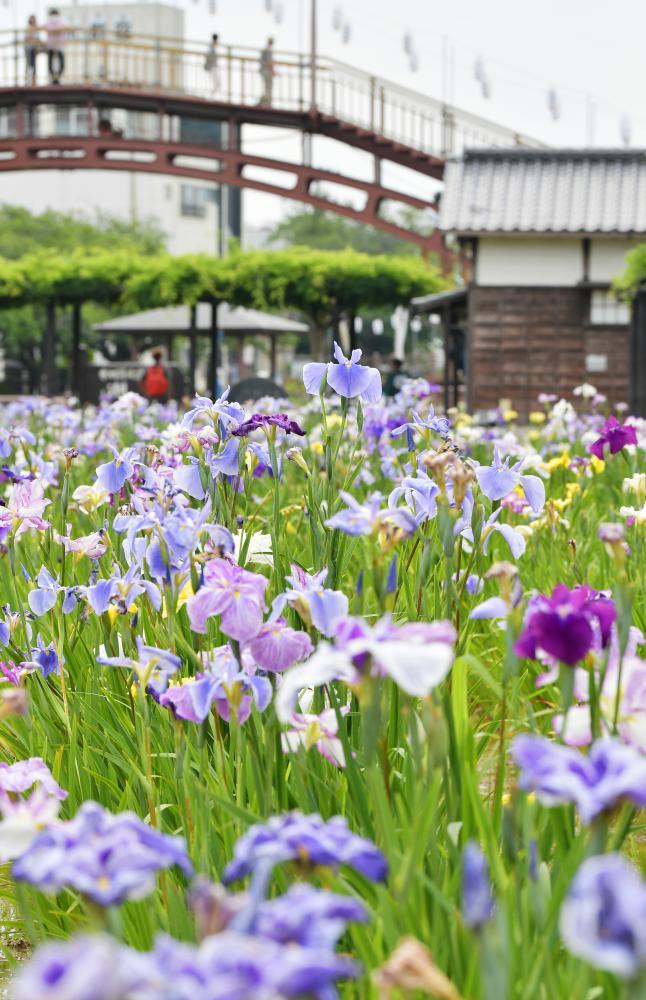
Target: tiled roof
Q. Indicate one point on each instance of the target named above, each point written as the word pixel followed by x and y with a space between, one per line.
pixel 545 191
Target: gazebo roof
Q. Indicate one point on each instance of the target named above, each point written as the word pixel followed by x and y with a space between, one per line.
pixel 233 320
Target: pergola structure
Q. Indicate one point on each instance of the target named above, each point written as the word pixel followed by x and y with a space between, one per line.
pixel 206 319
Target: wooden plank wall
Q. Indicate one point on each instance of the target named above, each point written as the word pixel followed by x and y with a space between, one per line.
pixel 523 341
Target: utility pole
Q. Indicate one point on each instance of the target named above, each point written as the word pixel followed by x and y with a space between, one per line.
pixel 313 55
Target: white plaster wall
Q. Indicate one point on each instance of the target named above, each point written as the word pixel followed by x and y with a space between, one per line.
pixel 608 258
pixel 117 194
pixel 529 262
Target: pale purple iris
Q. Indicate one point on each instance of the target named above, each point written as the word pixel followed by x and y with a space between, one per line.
pixel 108 858
pixel 420 494
pixel 612 772
pixel 265 422
pixel 367 517
pixel 603 918
pixel 464 527
pixel 307 839
pixel 347 377
pixel 440 425
pixel 316 731
pixel 112 475
pixel 24 816
pixel 307 916
pixel 566 624
pixel 24 509
pixel 277 646
pixel 477 898
pixel 235 594
pixel 417 656
pixel 317 605
pixel 44 597
pixel 152 667
pixel 189 477
pixel 615 435
pixel 224 684
pixel 499 479
pixel 219 412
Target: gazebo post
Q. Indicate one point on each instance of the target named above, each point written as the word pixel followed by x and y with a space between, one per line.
pixel 76 348
pixel 214 359
pixel 273 356
pixel 192 350
pixel 49 350
pixel 352 331
pixel 446 316
pixel 241 365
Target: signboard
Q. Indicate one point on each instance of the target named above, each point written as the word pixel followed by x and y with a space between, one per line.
pixel 113 379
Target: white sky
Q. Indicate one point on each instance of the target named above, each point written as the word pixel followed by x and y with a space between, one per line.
pixel 590 51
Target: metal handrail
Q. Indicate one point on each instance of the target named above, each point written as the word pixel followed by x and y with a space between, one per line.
pixel 365 101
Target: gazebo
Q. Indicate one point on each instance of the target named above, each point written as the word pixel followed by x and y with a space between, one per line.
pixel 204 320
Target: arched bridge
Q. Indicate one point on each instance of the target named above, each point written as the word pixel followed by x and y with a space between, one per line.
pixel 151 105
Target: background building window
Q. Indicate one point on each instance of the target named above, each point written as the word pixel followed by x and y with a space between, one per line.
pixel 194 200
pixel 607 310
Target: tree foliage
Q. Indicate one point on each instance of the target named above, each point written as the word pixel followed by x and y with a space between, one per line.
pixel 635 272
pixel 320 230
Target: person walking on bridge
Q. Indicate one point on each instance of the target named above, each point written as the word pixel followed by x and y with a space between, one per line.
pixel 267 72
pixel 56 27
pixel 32 48
pixel 211 63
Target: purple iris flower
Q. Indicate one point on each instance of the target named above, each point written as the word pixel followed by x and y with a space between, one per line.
pixel 612 771
pixel 265 422
pixel 112 475
pixel 615 435
pixel 499 479
pixel 88 967
pixel 477 898
pixel 232 592
pixel 277 646
pixel 307 916
pixel 347 377
pixel 317 605
pixel 43 659
pixel 108 858
pixel 603 918
pixel 44 597
pixel 236 966
pixel 309 840
pixel 441 425
pixel 224 684
pixel 566 624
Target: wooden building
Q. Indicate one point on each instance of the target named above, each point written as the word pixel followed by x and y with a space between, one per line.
pixel 543 234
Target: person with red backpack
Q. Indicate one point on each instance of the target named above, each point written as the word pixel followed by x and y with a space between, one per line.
pixel 155 384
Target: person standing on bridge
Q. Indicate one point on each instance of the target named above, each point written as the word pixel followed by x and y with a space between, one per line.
pixel 211 63
pixel 56 27
pixel 32 48
pixel 267 72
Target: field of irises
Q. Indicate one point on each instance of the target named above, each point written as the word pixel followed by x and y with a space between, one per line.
pixel 344 698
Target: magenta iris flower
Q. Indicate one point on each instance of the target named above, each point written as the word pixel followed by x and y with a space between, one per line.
pixel 277 646
pixel 566 624
pixel 615 435
pixel 265 422
pixel 603 918
pixel 235 594
pixel 611 772
pixel 347 377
